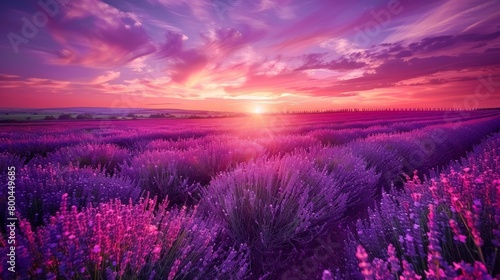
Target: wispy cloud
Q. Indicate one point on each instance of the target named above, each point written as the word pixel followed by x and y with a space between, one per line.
pixel 109 76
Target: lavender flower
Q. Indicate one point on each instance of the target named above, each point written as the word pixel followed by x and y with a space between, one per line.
pixel 393 260
pixel 408 272
pixel 364 264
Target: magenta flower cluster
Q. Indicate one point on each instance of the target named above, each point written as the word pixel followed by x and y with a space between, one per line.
pixel 128 241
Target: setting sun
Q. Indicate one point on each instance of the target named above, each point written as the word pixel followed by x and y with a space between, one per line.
pixel 258 110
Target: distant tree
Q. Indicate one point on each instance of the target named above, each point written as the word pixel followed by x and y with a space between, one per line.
pixel 160 116
pixel 156 116
pixel 85 116
pixel 131 115
pixel 113 117
pixel 64 117
pixel 49 118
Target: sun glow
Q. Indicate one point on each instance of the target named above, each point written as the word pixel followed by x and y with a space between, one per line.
pixel 258 110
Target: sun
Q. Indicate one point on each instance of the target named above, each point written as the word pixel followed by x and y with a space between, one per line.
pixel 258 110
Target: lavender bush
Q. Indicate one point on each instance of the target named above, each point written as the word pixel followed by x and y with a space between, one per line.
pixel 273 204
pixel 107 157
pixel 356 179
pixel 220 155
pixel 162 174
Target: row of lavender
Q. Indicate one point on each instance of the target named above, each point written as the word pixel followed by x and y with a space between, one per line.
pixel 445 227
pixel 262 211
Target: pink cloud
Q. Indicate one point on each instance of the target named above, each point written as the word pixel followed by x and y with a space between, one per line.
pixel 446 17
pixel 93 33
pixel 7 77
pixel 34 83
pixel 216 45
pixel 108 76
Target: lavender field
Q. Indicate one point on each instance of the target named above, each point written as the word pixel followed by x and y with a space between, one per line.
pixel 344 195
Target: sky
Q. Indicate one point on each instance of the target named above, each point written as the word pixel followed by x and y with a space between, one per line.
pixel 250 55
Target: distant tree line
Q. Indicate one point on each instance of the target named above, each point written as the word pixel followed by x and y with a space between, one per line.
pixel 343 110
